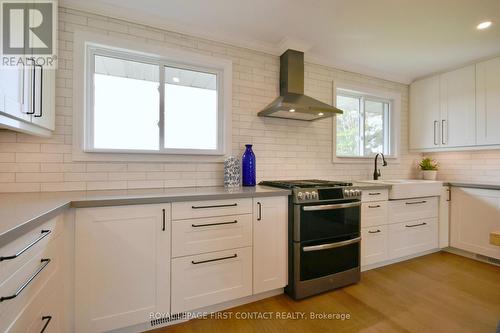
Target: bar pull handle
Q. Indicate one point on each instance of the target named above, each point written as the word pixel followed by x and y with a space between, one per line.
pixel 436 124
pixel 211 260
pixel 44 262
pixel 374 232
pixel 374 193
pixel 259 215
pixel 213 224
pixel 376 206
pixel 442 131
pixel 48 319
pixel 416 202
pixel 41 92
pixel 163 220
pixel 415 225
pixel 33 87
pixel 44 233
pixel 449 194
pixel 215 206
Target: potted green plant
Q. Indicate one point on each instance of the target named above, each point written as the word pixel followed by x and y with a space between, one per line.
pixel 429 168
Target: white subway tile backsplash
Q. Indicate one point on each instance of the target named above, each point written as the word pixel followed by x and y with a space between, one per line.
pixel 284 148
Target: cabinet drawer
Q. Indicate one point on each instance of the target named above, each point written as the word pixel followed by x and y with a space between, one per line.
pixel 38 269
pixel 412 209
pixel 210 234
pixel 375 195
pixel 373 213
pixel 197 209
pixel 43 311
pixel 206 279
pixel 373 245
pixel 412 237
pixel 17 253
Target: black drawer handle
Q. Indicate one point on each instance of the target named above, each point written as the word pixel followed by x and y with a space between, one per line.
pixel 215 206
pixel 415 225
pixel 211 224
pixel 44 233
pixel 48 319
pixel 216 259
pixel 416 202
pixel 41 92
pixel 25 284
pixel 374 232
pixel 375 193
pixel 376 206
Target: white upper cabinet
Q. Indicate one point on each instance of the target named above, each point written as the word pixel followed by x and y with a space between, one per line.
pixel 424 114
pixel 488 102
pixel 13 92
pixel 458 109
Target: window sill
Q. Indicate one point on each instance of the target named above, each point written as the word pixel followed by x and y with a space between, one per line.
pixel 81 156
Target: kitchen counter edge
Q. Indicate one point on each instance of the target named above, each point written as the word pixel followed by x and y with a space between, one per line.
pixel 87 199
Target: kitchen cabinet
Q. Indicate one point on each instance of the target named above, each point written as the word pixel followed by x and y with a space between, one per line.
pixel 488 102
pixel 424 113
pixel 411 237
pixel 443 111
pixel 122 265
pixel 458 107
pixel 474 214
pixel 270 230
pixel 211 278
pixel 14 92
pixel 373 245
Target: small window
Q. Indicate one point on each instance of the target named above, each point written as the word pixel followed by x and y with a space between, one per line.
pixel 128 112
pixel 363 130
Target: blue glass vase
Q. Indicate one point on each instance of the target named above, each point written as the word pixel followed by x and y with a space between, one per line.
pixel 248 166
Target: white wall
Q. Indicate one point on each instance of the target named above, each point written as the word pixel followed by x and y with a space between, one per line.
pixel 284 148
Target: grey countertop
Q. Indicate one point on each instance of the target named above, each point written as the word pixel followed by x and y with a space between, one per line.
pixel 20 212
pixel 370 186
pixel 487 186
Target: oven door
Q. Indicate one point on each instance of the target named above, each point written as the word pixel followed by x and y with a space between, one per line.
pixel 326 220
pixel 321 259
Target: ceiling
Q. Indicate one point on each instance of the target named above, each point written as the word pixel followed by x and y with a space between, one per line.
pixel 399 40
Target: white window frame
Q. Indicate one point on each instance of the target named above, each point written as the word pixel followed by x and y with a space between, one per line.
pixel 87 45
pixel 394 123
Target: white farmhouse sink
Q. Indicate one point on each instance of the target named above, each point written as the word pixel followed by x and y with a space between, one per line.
pixel 409 188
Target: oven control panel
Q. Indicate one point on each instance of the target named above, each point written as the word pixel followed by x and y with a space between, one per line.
pixel 303 195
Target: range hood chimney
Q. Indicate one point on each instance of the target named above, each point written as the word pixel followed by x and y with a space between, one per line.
pixel 292 103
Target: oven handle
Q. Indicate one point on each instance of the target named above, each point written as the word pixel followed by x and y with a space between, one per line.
pixel 332 207
pixel 331 245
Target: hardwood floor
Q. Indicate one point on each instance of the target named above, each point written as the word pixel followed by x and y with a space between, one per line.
pixel 441 292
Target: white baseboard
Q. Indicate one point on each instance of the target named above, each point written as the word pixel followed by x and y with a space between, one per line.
pixel 474 256
pixel 393 261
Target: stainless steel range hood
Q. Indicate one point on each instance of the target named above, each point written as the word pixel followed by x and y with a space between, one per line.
pixel 292 103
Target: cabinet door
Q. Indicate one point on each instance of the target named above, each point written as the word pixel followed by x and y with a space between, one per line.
pixel 13 82
pixel 413 237
pixel 122 265
pixel 270 243
pixel 44 96
pixel 474 214
pixel 424 114
pixel 458 107
pixel 488 102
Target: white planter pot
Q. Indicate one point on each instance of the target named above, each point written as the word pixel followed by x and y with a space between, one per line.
pixel 429 174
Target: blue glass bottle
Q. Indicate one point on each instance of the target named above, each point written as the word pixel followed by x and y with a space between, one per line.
pixel 248 166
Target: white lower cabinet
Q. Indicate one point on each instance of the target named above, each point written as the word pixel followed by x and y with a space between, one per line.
pixel 412 237
pixel 397 228
pixel 270 243
pixel 211 278
pixel 122 265
pixel 374 245
pixel 475 213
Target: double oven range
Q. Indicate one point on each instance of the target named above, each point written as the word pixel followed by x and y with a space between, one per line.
pixel 324 235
